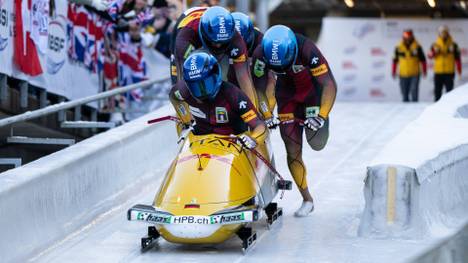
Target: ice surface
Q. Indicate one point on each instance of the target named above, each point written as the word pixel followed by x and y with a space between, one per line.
pixel 358 132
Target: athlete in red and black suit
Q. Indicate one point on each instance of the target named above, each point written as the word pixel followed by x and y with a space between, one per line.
pixel 189 39
pixel 305 93
pixel 265 94
pixel 214 105
pixel 230 112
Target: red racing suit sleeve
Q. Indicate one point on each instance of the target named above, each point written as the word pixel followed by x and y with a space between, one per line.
pixel 242 105
pixel 239 56
pixel 322 76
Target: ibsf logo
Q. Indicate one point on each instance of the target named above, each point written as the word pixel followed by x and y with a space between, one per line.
pixel 274 53
pixel 4 27
pixel 57 51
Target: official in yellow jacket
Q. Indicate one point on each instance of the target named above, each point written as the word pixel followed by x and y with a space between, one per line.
pixel 409 58
pixel 446 55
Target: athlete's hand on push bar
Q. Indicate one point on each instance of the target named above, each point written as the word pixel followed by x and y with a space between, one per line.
pixel 314 123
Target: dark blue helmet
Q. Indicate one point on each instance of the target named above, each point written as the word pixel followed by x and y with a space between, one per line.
pixel 245 27
pixel 202 74
pixel 279 48
pixel 216 29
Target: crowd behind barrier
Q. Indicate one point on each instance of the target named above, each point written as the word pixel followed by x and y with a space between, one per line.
pixel 74 50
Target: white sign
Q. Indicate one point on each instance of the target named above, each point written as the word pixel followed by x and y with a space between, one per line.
pixel 360 53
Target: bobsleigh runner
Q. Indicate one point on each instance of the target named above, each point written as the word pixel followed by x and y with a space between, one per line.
pixel 213 189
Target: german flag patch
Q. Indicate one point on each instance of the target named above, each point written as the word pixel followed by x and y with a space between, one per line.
pixel 320 70
pixel 248 116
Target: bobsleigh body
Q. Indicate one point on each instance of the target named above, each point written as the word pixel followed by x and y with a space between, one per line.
pixel 213 188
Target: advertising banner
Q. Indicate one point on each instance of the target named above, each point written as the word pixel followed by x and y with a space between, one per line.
pixel 360 53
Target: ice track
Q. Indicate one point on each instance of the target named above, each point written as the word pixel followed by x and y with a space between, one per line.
pixel 358 132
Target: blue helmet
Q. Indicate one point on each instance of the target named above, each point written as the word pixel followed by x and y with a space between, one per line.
pixel 245 27
pixel 280 49
pixel 202 74
pixel 216 29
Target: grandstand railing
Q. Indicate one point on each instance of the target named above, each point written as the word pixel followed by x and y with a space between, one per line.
pixel 77 103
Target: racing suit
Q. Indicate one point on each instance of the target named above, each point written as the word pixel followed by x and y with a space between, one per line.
pixel 188 39
pixel 230 112
pixel 307 89
pixel 265 94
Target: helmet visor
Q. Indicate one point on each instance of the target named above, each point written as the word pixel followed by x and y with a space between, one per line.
pixel 204 89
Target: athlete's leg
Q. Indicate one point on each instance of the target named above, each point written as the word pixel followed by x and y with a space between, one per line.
pixel 292 138
pixel 318 139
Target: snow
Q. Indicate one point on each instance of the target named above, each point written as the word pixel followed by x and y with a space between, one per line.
pixel 336 174
pixel 437 130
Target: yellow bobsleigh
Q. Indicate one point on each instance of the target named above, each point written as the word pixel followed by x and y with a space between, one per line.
pixel 213 189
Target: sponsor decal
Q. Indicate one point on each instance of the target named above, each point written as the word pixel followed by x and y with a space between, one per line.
pixel 194 72
pixel 314 61
pixel 4 27
pixel 349 65
pixel 320 70
pixel 199 220
pixel 297 68
pixel 259 68
pixel 197 112
pixel 363 30
pixel 376 93
pixel 274 54
pixel 349 50
pixel 241 58
pixel 311 112
pixel 230 218
pixel 377 52
pixel 154 218
pixel 221 115
pixel 243 104
pixel 234 52
pixel 222 34
pixel 378 78
pixel 237 25
pixel 349 78
pixel 248 116
pixel 349 91
pixel 57 45
pixel 379 64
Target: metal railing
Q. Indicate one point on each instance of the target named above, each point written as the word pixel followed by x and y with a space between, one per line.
pixel 76 103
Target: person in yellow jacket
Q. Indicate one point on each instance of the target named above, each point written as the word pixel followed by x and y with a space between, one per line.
pixel 446 55
pixel 409 55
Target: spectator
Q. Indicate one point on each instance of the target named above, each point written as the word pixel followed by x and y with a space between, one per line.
pixel 408 56
pixel 158 34
pixel 446 55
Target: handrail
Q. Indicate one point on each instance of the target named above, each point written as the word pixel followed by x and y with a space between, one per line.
pixel 71 104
